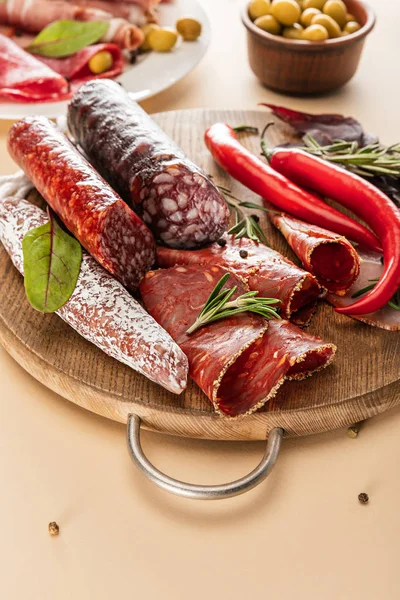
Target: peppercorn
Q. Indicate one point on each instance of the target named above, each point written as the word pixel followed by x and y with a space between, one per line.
pixel 363 498
pixel 221 242
pixel 54 528
pixel 243 254
pixel 255 218
pixel 133 57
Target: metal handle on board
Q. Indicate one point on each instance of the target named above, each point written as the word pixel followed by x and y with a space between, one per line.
pixel 202 492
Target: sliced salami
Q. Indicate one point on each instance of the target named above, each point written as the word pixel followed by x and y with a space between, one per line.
pixel 109 230
pixel 101 310
pixel 371 268
pixel 330 257
pixel 263 269
pixel 181 206
pixel 241 361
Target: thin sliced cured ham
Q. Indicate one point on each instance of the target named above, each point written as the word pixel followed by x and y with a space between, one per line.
pixel 263 270
pixel 239 362
pixel 75 68
pixel 101 310
pixel 371 268
pixel 23 78
pixel 134 13
pixel 35 15
pixel 330 257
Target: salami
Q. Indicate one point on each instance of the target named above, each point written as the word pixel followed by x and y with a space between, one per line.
pixel 25 79
pixel 109 230
pixel 263 269
pixel 181 206
pixel 330 257
pixel 371 269
pixel 101 310
pixel 241 361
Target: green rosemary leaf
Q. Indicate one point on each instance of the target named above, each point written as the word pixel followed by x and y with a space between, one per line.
pixel 217 288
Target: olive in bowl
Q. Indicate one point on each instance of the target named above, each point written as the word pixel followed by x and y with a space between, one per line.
pixel 314 46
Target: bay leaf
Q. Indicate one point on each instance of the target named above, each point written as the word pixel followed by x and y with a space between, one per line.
pixel 64 38
pixel 52 260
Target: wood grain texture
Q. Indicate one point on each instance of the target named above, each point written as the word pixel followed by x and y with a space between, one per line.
pixel 362 382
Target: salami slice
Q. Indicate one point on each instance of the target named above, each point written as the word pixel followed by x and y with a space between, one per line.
pixel 101 310
pixel 330 257
pixel 109 230
pixel 371 268
pixel 241 361
pixel 25 79
pixel 181 206
pixel 263 269
pixel 76 67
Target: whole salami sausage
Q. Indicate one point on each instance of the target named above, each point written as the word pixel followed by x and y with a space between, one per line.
pixel 109 230
pixel 239 362
pixel 181 206
pixel 101 310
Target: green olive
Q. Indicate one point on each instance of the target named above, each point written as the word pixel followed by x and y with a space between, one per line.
pixel 307 16
pixel 315 33
pixel 286 12
pixel 337 10
pixel 350 17
pixel 259 8
pixel 189 29
pixel 146 30
pixel 162 39
pixel 352 27
pixel 100 62
pixel 330 25
pixel 313 4
pixel 294 32
pixel 269 24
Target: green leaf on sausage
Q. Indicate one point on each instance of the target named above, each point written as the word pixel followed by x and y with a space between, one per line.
pixel 64 38
pixel 52 260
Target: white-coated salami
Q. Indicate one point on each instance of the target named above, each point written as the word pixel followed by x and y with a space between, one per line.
pixel 101 310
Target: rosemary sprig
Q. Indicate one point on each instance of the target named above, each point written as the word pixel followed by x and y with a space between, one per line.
pixel 245 225
pixel 368 161
pixel 246 129
pixel 219 305
pixel 393 303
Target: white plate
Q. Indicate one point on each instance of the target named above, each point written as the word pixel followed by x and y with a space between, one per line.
pixel 152 73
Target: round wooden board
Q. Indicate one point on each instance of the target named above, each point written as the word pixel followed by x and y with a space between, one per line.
pixel 362 382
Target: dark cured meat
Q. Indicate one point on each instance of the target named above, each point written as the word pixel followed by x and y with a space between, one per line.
pixel 108 229
pixel 75 68
pixel 263 269
pixel 241 361
pixel 25 79
pixel 182 207
pixel 330 257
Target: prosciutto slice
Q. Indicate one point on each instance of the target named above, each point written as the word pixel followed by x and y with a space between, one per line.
pixel 35 15
pixel 261 268
pixel 134 13
pixel 370 268
pixel 23 78
pixel 75 68
pixel 330 257
pixel 241 361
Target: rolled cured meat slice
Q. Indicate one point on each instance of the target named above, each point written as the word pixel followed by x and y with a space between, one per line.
pixel 101 310
pixel 181 206
pixel 371 268
pixel 25 79
pixel 76 67
pixel 330 257
pixel 35 15
pixel 134 13
pixel 239 362
pixel 109 230
pixel 263 269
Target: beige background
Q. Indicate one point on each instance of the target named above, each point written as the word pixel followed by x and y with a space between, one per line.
pixel 301 534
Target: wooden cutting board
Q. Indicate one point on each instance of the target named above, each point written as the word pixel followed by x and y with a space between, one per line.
pixel 362 382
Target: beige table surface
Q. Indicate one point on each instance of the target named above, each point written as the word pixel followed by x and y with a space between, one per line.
pixel 301 534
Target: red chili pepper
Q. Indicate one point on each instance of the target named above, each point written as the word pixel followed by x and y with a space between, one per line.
pixel 365 201
pixel 259 177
